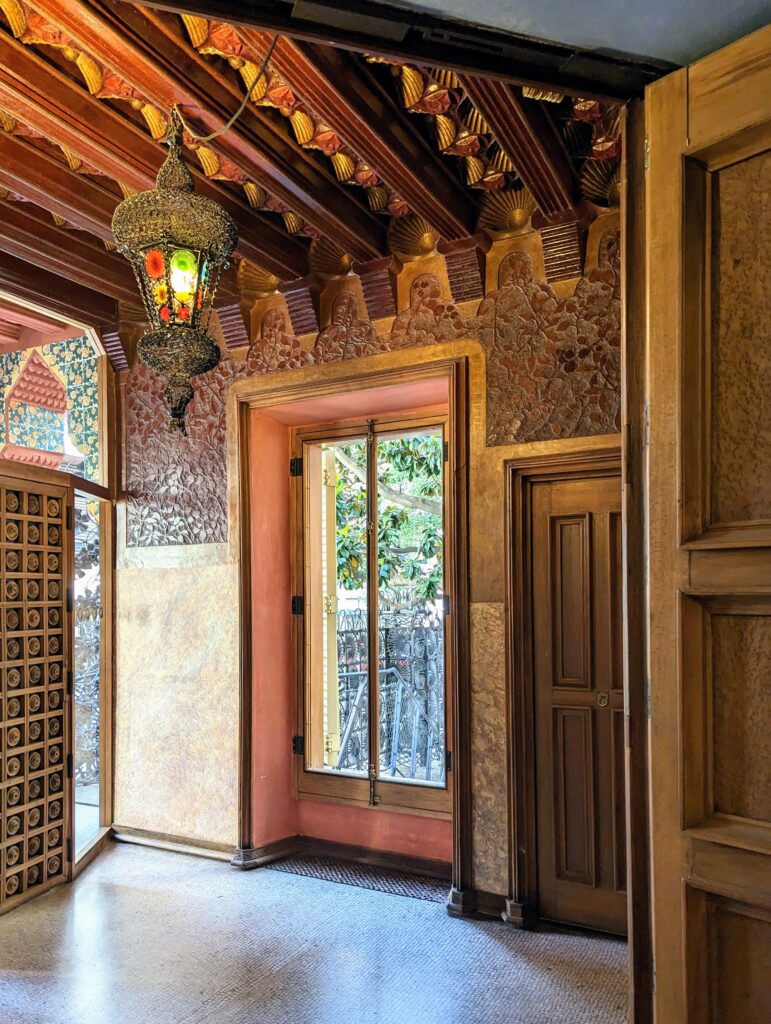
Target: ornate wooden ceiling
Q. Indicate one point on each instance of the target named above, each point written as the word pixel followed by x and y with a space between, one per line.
pixel 339 156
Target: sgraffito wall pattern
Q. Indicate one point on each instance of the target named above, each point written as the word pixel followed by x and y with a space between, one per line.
pixel 553 371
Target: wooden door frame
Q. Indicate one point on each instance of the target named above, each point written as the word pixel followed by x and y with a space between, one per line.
pixel 453 361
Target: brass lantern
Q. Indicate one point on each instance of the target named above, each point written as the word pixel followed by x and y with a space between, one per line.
pixel 178 244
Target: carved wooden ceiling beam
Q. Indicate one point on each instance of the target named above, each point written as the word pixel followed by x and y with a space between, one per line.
pixel 347 96
pixel 25 232
pixel 148 50
pixel 65 298
pixel 56 107
pixel 527 136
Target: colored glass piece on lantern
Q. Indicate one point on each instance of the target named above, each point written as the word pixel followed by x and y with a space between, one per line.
pixel 183 313
pixel 161 293
pixel 184 270
pixel 155 265
pixel 165 313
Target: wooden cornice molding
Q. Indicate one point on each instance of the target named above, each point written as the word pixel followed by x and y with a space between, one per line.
pixel 348 97
pixel 33 284
pixel 151 54
pixel 29 234
pixel 527 136
pixel 64 112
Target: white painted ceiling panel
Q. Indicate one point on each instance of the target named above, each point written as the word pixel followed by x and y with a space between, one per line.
pixel 671 30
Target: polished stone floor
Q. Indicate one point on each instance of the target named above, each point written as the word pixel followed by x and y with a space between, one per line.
pixel 148 937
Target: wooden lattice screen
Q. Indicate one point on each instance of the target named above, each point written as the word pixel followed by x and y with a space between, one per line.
pixel 35 816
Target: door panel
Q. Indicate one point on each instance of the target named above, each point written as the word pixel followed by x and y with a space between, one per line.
pixel 579 701
pixel 35 818
pixel 708 354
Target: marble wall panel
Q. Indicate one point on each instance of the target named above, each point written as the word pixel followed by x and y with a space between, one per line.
pixel 488 745
pixel 176 744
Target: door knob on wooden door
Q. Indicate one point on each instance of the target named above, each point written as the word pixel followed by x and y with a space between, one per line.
pixel 602 698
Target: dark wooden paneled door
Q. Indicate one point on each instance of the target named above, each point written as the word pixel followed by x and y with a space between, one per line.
pixel 579 701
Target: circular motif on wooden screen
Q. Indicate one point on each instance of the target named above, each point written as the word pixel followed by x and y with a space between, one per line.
pixel 33 533
pixel 14 678
pixel 54 755
pixel 53 591
pixel 33 646
pixel 53 535
pixel 35 789
pixel 12 619
pixel 13 767
pixel 54 618
pixel 53 508
pixel 33 504
pixel 14 708
pixel 34 702
pixel 12 503
pixel 54 672
pixel 35 759
pixel 14 825
pixel 13 736
pixel 35 674
pixel 54 727
pixel 12 885
pixel 55 782
pixel 54 700
pixel 14 649
pixel 33 562
pixel 35 731
pixel 12 590
pixel 11 532
pixel 33 874
pixel 54 866
pixel 12 855
pixel 53 563
pixel 12 561
pixel 33 618
pixel 33 820
pixel 13 796
pixel 54 810
pixel 54 645
pixel 33 590
pixel 54 837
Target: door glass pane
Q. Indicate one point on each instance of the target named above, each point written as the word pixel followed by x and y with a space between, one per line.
pixel 411 699
pixel 336 638
pixel 88 649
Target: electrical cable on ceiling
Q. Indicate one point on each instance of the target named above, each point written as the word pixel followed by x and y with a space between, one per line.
pixel 241 109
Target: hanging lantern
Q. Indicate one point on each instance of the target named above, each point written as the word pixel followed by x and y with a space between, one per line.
pixel 178 244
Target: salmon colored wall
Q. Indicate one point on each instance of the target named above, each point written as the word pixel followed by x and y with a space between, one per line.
pixel 276 814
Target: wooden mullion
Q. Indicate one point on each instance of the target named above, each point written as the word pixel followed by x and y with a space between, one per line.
pixel 373 613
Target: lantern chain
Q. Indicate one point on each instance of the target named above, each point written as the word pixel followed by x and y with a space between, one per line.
pixel 241 109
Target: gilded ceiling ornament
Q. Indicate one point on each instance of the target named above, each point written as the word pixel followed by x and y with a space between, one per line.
pixel 327 259
pixel 411 237
pixel 507 212
pixel 600 182
pixel 178 243
pixel 544 95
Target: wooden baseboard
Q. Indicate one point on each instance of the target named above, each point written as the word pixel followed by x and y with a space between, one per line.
pixel 247 857
pixel 517 914
pixel 175 844
pixel 377 858
pixel 476 903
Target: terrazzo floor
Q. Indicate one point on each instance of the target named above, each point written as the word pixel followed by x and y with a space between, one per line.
pixel 148 937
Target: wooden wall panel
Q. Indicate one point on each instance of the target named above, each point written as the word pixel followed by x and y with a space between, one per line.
pixel 740 448
pixel 741 715
pixel 569 561
pixel 573 775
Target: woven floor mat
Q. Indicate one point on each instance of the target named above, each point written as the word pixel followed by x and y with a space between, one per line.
pixel 366 876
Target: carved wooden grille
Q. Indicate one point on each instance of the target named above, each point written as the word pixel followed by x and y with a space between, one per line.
pixel 34 652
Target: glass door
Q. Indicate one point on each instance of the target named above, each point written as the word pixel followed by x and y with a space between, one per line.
pixel 88 674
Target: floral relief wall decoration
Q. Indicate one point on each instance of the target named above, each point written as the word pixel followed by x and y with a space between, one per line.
pixel 553 371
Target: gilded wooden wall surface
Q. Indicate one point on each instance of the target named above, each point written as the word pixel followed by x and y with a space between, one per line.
pixel 741 343
pixel 553 371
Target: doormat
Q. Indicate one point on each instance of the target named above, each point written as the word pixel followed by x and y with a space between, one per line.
pixel 366 876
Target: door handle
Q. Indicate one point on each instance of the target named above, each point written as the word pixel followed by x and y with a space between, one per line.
pixel 602 698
